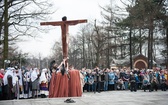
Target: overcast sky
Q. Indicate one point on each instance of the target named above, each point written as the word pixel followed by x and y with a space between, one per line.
pixel 73 9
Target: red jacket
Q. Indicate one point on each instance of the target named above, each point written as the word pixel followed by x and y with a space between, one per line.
pixel 1 75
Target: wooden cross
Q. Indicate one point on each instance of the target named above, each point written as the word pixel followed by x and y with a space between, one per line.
pixel 64 27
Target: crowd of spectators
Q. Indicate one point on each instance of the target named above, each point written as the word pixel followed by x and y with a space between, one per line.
pixel 124 79
pixel 16 83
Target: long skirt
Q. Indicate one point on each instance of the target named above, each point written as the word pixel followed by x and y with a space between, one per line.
pixel 74 84
pixel 27 86
pixel 35 84
pixel 58 85
pixel 44 88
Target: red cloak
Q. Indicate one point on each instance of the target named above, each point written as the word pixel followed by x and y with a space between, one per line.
pixel 58 85
pixel 74 84
pixel 63 86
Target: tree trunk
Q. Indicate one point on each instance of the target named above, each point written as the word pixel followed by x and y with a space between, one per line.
pixel 150 46
pixel 83 40
pixel 97 59
pixel 140 45
pixel 5 49
pixel 108 52
pixel 167 48
pixel 149 49
pixel 130 46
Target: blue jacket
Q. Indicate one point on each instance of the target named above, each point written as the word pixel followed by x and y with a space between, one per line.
pixel 111 78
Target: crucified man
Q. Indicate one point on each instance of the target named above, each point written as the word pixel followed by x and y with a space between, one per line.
pixel 64 27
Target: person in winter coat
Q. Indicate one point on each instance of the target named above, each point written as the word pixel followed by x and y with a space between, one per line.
pixel 132 82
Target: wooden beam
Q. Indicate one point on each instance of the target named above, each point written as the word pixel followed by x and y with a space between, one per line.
pixel 69 22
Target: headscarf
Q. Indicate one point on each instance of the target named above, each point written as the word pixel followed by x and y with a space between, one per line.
pixel 9 72
pixel 43 76
pixel 21 78
pixel 34 75
pixel 27 76
pixel 15 78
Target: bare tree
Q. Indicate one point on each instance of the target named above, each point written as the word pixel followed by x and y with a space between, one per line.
pixel 20 18
pixel 115 36
pixel 98 39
